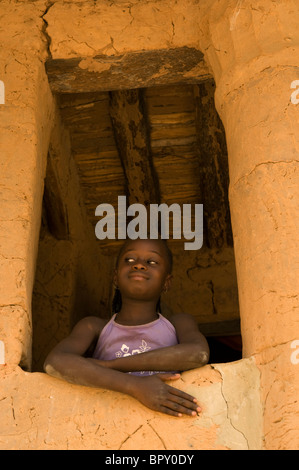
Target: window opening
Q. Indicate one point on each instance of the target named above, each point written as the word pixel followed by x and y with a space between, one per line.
pixel 184 158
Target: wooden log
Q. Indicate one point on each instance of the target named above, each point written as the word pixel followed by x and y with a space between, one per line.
pixel 131 133
pixel 213 159
pixel 128 71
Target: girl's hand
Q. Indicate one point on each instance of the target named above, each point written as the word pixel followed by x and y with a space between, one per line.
pixel 153 392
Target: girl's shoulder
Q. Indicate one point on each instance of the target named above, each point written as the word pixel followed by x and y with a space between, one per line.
pixel 183 321
pixel 180 317
pixel 93 325
pixel 86 333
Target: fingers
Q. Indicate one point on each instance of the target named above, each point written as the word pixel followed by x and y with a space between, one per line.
pixel 179 403
pixel 178 410
pixel 169 376
pixel 180 394
pixel 159 396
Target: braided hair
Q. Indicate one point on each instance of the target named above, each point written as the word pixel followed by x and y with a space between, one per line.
pixel 117 301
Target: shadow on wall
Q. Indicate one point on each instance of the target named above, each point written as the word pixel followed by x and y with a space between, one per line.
pixel 225 349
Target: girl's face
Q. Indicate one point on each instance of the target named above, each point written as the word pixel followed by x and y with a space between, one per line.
pixel 143 270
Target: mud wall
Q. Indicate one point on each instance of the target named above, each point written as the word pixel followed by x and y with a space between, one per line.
pixel 253 62
pixel 47 414
pixel 254 70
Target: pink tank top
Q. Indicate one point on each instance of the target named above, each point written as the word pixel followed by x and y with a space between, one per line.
pixel 118 340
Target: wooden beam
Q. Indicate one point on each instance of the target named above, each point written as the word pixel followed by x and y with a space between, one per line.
pixel 129 122
pixel 55 208
pixel 212 152
pixel 127 71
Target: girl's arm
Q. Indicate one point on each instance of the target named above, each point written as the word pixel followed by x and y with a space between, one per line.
pixel 191 352
pixel 66 362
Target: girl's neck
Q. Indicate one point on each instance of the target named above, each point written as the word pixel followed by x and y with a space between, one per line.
pixel 137 313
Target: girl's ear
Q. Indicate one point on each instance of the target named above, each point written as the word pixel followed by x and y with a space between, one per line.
pixel 167 282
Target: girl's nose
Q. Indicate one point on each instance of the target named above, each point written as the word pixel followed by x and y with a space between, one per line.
pixel 139 265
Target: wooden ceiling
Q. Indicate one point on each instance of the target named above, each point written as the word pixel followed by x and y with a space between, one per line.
pixel 169 138
pixel 144 124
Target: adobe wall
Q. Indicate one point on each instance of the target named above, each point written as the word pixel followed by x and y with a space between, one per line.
pixel 255 60
pixel 25 121
pixel 42 413
pixel 252 55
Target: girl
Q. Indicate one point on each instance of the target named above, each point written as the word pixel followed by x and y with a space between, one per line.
pixel 138 349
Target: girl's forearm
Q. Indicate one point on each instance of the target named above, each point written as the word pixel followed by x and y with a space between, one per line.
pixel 151 391
pixel 81 371
pixel 180 357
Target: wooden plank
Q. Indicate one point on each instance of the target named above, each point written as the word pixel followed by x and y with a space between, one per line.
pixel 127 71
pixel 66 100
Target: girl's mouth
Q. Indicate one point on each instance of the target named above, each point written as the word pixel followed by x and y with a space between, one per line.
pixel 138 276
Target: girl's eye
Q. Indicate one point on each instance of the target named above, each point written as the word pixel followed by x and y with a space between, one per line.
pixel 132 260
